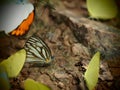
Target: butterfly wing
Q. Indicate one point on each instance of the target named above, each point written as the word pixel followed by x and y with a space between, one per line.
pixel 38 51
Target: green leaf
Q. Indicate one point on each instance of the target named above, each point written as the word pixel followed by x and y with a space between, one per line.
pixel 14 63
pixel 92 72
pixel 102 9
pixel 4 80
pixel 30 84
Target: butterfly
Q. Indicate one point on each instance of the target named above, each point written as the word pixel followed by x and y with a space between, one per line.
pixel 16 18
pixel 38 51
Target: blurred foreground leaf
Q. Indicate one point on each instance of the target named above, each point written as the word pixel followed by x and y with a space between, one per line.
pixel 102 9
pixel 14 63
pixel 30 84
pixel 4 80
pixel 92 72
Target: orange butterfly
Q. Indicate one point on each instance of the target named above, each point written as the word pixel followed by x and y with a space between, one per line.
pixel 16 18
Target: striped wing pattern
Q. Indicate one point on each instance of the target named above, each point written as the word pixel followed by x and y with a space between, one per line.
pixel 37 50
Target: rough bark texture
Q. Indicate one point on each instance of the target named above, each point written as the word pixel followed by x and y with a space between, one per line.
pixel 92 34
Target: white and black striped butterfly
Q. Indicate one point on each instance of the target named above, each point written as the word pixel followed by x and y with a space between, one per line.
pixel 38 51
